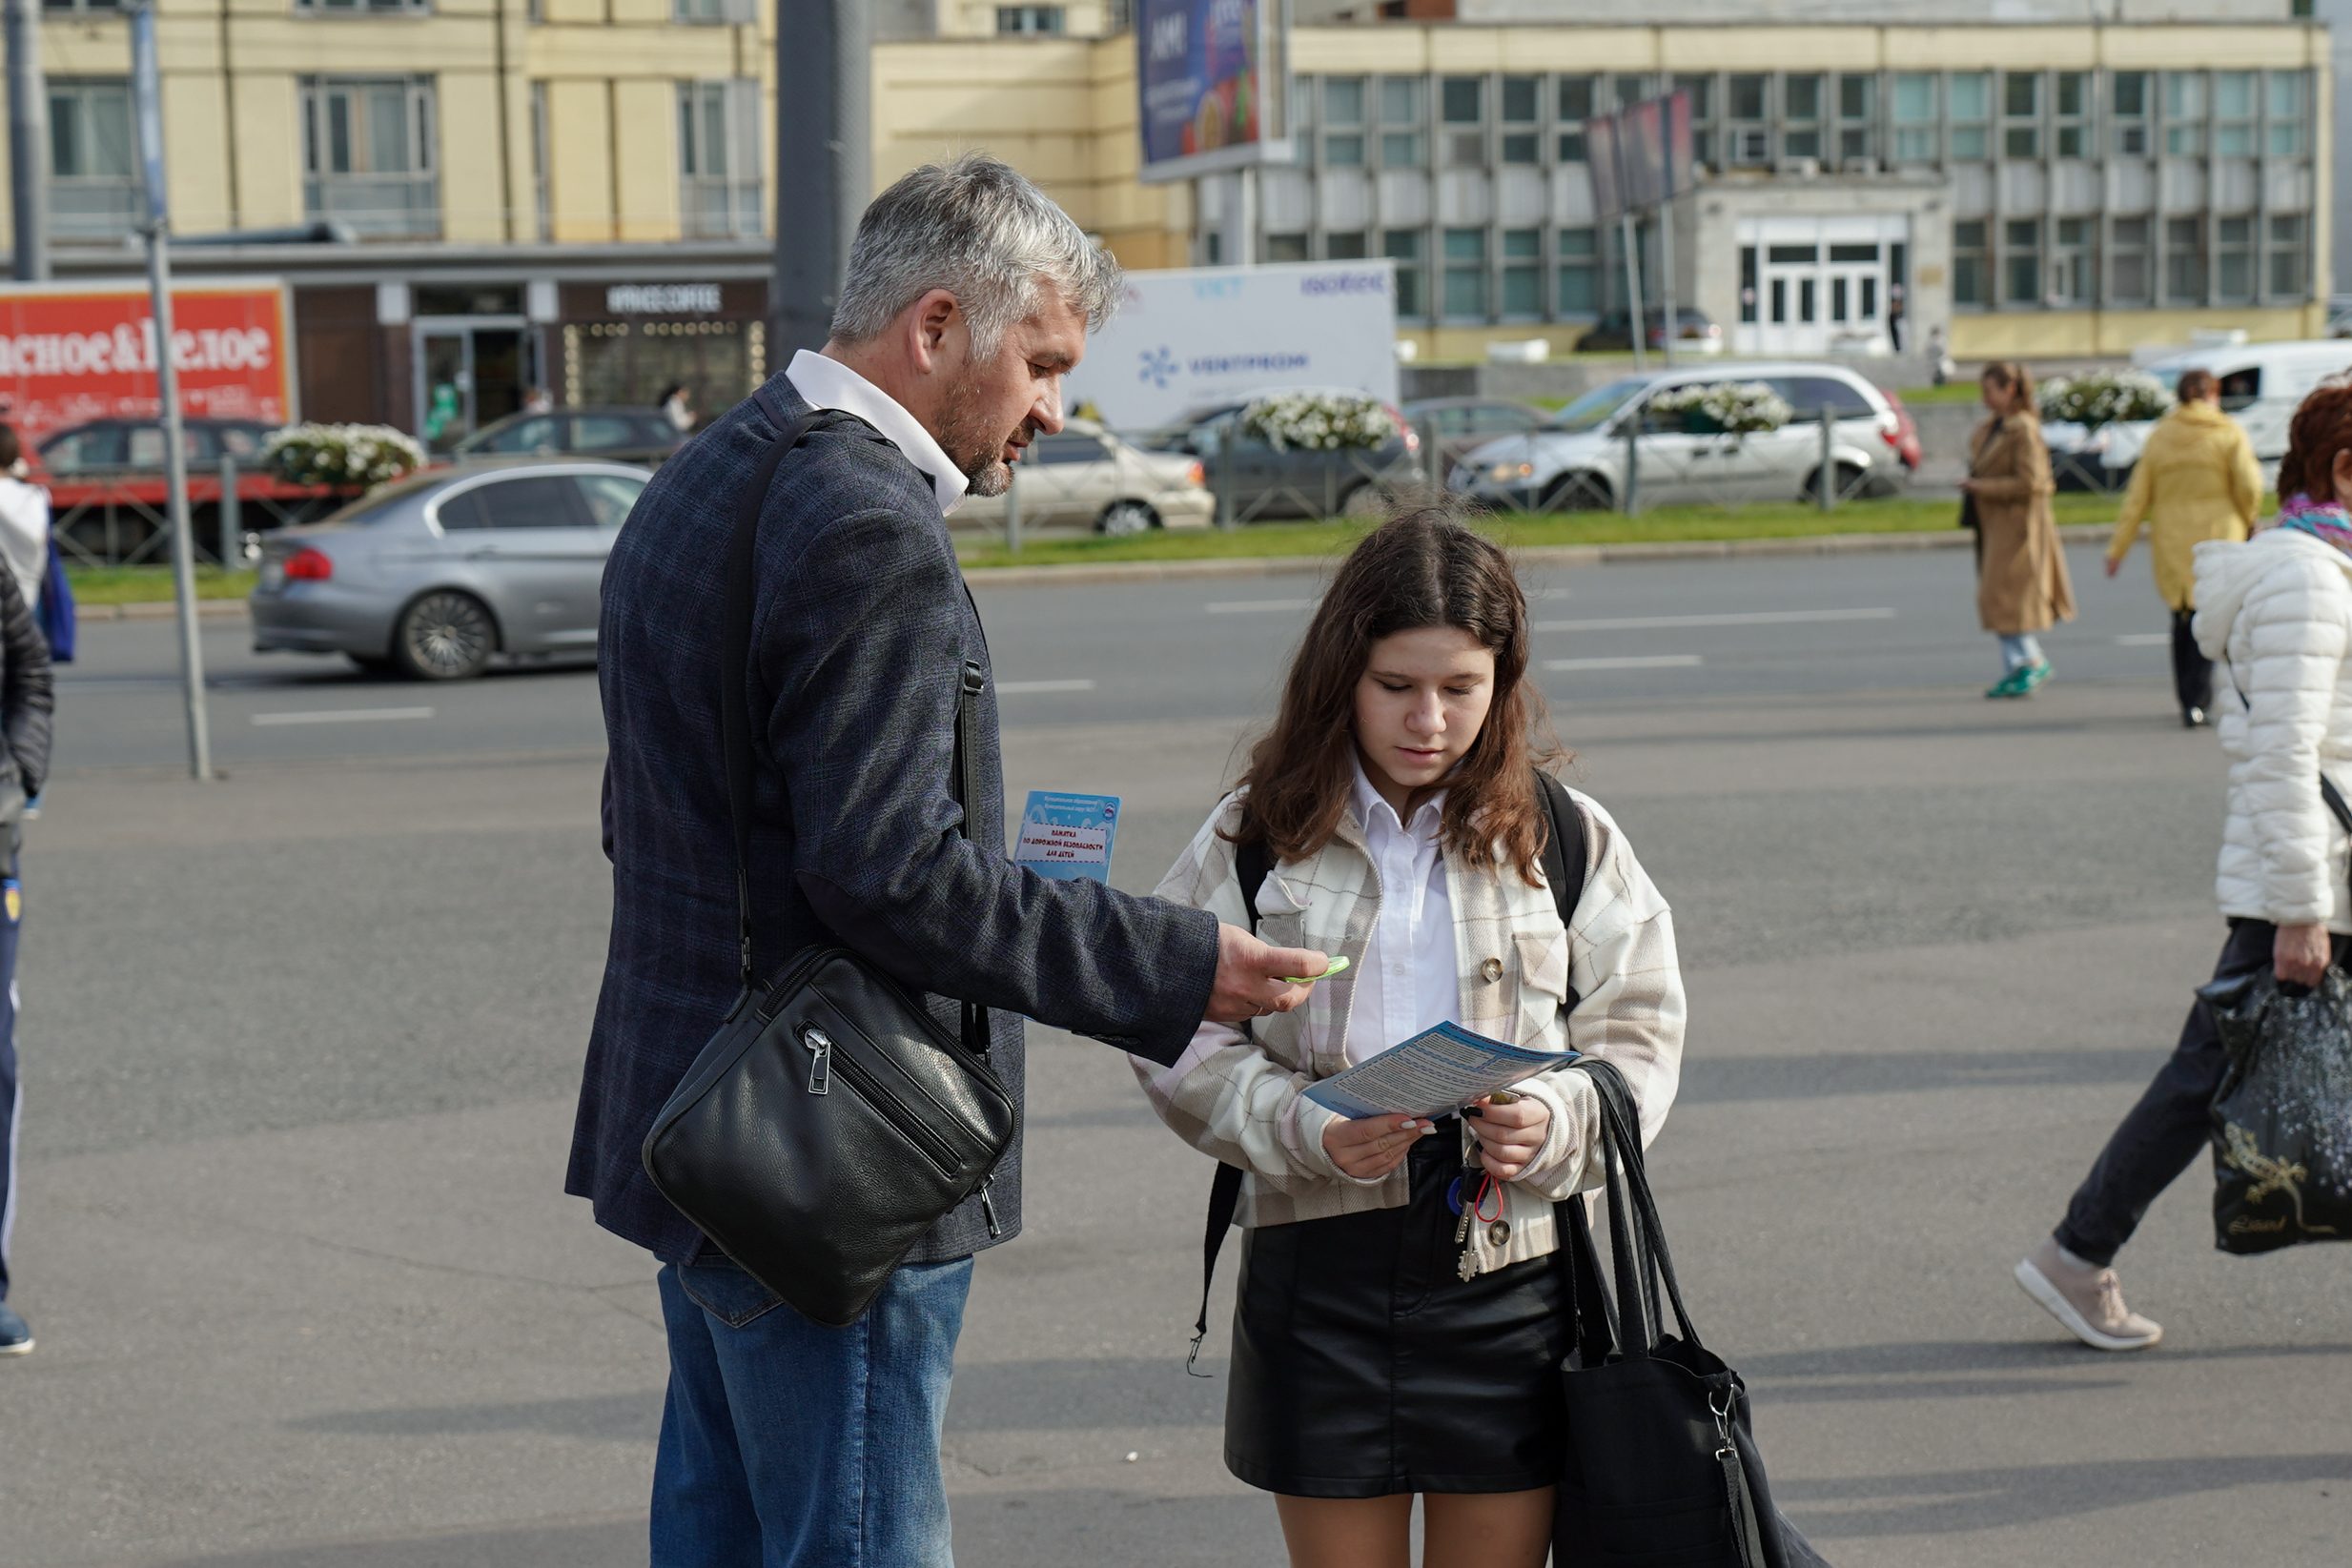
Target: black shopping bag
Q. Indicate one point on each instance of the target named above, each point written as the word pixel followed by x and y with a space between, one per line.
pixel 2283 1121
pixel 1661 1465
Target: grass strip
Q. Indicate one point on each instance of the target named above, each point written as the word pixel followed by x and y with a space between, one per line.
pixel 150 584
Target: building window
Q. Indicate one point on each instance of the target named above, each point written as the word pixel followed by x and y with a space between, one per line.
pixel 70 5
pixel 1461 103
pixel 1404 247
pixel 2072 266
pixel 2074 107
pixel 542 201
pixel 1575 96
pixel 1857 119
pixel 2184 261
pixel 1579 272
pixel 1972 114
pixel 2184 113
pixel 1347 247
pixel 1343 121
pixel 1031 21
pixel 1523 107
pixel 2289 278
pixel 94 188
pixel 1286 247
pixel 2128 106
pixel 2288 112
pixel 1747 132
pixel 1701 90
pixel 2129 277
pixel 1631 89
pixel 1522 275
pixel 1971 264
pixel 2234 111
pixel 2021 262
pixel 1801 108
pixel 2021 114
pixel 1748 285
pixel 1915 117
pixel 1400 117
pixel 738 12
pixel 1465 274
pixel 2233 260
pixel 719 158
pixel 362 7
pixel 368 154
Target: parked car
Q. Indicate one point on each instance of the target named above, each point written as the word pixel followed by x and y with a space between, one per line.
pixel 1298 482
pixel 1694 331
pixel 616 435
pixel 1460 424
pixel 135 446
pixel 2263 384
pixel 437 574
pixel 1578 460
pixel 1087 477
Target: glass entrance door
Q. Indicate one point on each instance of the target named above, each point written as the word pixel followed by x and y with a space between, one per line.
pixel 469 372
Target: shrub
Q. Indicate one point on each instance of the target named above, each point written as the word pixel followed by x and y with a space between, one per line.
pixel 345 457
pixel 1729 408
pixel 2102 396
pixel 1318 421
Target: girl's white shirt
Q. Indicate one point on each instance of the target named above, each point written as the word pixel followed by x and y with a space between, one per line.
pixel 1410 978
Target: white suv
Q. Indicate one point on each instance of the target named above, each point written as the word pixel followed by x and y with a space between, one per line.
pixel 1578 459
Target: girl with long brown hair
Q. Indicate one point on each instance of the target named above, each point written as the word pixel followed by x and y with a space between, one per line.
pixel 2022 586
pixel 1400 1318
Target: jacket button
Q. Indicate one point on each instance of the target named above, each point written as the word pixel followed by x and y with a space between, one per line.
pixel 1492 970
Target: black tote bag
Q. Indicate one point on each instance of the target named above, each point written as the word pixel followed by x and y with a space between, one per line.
pixel 830 1121
pixel 1661 1466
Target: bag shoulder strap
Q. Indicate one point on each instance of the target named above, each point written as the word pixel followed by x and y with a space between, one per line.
pixel 735 699
pixel 2328 792
pixel 1252 863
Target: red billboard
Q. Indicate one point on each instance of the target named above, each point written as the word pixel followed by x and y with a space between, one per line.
pixel 74 353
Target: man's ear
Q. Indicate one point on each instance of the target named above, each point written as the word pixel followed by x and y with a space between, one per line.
pixel 932 320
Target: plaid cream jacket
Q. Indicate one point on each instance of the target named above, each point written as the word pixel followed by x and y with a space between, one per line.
pixel 1239 1094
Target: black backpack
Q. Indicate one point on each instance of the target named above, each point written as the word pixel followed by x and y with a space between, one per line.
pixel 1253 863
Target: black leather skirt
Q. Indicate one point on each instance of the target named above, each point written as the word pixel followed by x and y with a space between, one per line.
pixel 1364 1366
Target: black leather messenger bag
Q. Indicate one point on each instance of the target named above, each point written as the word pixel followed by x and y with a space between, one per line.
pixel 830 1121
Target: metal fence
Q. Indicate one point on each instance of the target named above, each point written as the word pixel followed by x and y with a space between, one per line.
pixel 123 520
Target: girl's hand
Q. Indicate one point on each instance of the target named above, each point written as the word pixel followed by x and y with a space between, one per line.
pixel 1968 487
pixel 2300 954
pixel 1371 1146
pixel 2114 565
pixel 1510 1135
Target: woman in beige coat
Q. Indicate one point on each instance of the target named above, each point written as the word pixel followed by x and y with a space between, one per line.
pixel 2021 583
pixel 2195 481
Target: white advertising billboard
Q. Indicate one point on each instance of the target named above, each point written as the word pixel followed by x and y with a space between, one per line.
pixel 1184 338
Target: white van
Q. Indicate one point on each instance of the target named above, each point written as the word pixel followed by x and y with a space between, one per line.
pixel 2263 384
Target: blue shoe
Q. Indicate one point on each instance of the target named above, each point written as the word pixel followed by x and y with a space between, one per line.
pixel 15 1338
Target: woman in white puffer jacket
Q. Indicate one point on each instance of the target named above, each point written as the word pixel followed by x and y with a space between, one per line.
pixel 2276 611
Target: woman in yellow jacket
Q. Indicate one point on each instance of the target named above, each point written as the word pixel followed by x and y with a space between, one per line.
pixel 2197 480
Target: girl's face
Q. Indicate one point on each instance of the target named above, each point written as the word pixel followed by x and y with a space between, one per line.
pixel 1999 397
pixel 1419 705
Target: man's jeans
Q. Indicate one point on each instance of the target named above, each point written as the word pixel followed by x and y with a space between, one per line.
pixel 2171 1124
pixel 786 1444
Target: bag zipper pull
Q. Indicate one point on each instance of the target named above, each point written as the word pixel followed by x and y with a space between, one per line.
pixel 988 1207
pixel 820 1048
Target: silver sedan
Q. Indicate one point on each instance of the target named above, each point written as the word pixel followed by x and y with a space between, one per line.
pixel 435 575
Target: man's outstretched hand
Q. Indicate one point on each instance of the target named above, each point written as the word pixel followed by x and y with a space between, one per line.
pixel 1250 976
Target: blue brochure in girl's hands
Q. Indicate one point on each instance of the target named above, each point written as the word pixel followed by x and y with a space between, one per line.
pixel 1068 837
pixel 1435 1074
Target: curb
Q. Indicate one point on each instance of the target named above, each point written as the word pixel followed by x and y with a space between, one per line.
pixel 1552 555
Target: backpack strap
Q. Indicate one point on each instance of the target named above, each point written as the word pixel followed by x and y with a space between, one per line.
pixel 1252 863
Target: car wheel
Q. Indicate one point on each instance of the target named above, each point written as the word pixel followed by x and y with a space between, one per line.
pixel 1580 493
pixel 1125 519
pixel 1848 483
pixel 444 636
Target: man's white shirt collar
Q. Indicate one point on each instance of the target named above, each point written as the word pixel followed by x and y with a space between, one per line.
pixel 828 383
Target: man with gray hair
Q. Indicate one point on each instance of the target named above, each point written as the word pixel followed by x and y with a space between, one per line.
pixel 970 295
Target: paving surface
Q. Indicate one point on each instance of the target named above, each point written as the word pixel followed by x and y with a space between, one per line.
pixel 301 1049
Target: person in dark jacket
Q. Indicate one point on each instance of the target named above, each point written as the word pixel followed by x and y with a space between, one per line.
pixel 27 699
pixel 787 1443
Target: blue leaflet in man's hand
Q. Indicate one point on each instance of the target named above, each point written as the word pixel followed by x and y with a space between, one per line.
pixel 1435 1074
pixel 1068 836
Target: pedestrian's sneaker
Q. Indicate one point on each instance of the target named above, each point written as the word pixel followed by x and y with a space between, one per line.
pixel 2034 677
pixel 2088 1300
pixel 15 1338
pixel 2012 684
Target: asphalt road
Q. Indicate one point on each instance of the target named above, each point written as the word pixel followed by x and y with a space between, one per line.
pixel 300 1049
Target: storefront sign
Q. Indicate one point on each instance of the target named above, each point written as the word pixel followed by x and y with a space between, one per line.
pixel 71 353
pixel 663 299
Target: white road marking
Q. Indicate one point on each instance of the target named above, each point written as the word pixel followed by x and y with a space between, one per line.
pixel 2145 640
pixel 1262 606
pixel 1040 688
pixel 1751 618
pixel 342 716
pixel 1655 662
